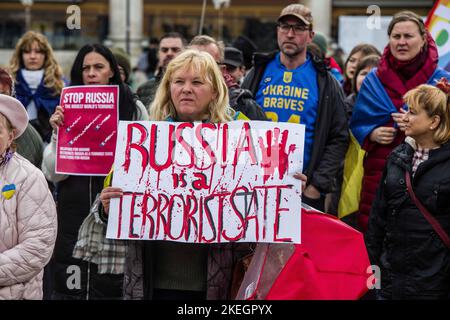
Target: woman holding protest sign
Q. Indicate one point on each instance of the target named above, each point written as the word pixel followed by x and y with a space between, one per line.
pixel 409 60
pixel 38 80
pixel 94 65
pixel 192 89
pixel 27 212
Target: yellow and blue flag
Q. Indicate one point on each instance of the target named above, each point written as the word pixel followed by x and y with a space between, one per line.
pixel 373 107
pixel 352 179
pixel 8 191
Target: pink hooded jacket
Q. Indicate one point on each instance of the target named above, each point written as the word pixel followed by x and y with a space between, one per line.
pixel 28 227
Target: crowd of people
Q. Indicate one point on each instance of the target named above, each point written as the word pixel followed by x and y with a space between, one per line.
pixel 392 108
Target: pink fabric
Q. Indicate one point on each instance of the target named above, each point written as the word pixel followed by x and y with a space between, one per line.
pixel 229 81
pixel 334 64
pixel 331 262
pixel 28 226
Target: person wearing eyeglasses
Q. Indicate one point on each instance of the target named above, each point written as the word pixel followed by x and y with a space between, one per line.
pixel 170 46
pixel 292 85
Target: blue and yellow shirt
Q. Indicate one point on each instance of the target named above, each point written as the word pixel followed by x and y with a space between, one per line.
pixel 291 96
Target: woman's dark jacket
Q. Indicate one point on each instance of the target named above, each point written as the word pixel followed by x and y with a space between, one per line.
pixel 414 262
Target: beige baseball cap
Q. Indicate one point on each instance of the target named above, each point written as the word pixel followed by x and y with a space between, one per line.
pixel 299 11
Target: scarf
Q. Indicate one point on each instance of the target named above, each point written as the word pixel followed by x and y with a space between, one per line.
pixel 93 246
pixel 44 98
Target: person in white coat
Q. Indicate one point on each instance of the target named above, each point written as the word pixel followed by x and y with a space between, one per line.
pixel 28 223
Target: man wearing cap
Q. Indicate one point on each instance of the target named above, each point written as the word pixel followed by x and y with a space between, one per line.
pixel 28 221
pixel 234 63
pixel 293 86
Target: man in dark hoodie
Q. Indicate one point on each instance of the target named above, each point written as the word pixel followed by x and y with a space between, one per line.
pixel 292 85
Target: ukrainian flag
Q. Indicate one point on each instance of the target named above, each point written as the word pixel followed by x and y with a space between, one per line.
pixel 8 191
pixel 372 109
pixel 352 180
pixel 373 106
pixel 240 116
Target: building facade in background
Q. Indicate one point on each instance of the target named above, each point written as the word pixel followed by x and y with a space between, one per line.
pixel 106 21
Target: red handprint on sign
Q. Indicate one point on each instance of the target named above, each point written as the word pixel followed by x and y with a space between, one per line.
pixel 275 154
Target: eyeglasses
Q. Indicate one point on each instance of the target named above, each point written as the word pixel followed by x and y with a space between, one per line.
pixel 165 49
pixel 296 28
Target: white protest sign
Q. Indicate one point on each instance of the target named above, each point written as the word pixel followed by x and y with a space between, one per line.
pixel 208 183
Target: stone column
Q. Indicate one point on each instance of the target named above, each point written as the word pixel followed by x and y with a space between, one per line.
pixel 321 11
pixel 118 34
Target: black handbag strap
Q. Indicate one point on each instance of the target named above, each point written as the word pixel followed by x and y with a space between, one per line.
pixel 432 220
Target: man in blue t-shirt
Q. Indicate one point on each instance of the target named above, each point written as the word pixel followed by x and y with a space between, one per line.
pixel 291 85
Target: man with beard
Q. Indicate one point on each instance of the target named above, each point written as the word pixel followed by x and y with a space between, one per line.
pixel 292 85
pixel 170 46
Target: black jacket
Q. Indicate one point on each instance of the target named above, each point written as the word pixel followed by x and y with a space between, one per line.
pixel 146 92
pixel 74 278
pixel 349 103
pixel 242 100
pixel 331 129
pixel 414 262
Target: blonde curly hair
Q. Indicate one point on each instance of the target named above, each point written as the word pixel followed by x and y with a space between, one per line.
pixel 53 75
pixel 205 66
